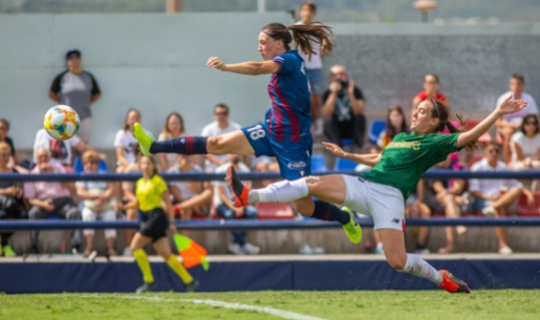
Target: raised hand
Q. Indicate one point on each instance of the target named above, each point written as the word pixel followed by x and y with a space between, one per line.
pixel 508 106
pixel 215 62
pixel 334 149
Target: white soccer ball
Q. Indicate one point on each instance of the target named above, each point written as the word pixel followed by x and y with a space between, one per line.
pixel 61 122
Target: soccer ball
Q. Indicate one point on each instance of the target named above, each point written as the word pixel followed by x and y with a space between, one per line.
pixel 61 122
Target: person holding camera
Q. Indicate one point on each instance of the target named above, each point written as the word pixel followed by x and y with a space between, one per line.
pixel 343 109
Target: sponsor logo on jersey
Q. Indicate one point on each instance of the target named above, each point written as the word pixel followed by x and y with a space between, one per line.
pixel 296 165
pixel 415 145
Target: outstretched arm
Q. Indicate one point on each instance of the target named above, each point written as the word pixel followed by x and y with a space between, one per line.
pixel 369 159
pixel 249 68
pixel 505 107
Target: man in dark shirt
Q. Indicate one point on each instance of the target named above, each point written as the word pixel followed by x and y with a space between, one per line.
pixel 343 109
pixel 76 88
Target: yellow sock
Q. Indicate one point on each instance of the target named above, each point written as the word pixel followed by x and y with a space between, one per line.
pixel 177 267
pixel 144 265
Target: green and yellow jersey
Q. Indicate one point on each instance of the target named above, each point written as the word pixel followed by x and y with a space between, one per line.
pixel 408 157
pixel 149 193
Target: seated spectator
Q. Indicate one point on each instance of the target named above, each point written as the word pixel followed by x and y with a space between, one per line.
pixel 226 209
pixel 492 196
pixel 362 167
pixel 61 151
pixel 415 207
pixel 395 124
pixel 184 190
pixel 431 91
pixel 220 126
pixel 263 164
pixel 125 143
pixel 447 196
pixel 343 109
pixel 129 196
pixel 509 123
pixel 98 197
pixel 174 128
pixel 11 199
pixel 50 198
pixel 14 158
pixel 526 145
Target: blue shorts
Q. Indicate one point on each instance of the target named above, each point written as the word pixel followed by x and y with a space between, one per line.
pixel 315 80
pixel 480 204
pixel 294 159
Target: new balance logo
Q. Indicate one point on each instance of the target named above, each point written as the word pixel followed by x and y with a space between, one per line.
pixel 396 220
pixel 183 140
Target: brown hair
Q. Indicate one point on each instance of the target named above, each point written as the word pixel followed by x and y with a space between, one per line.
pixel 390 130
pixel 518 77
pixel 433 75
pixel 223 106
pixel 6 122
pixel 155 172
pixel 441 112
pixel 302 34
pixel 527 117
pixel 90 155
pixel 312 6
pixel 126 125
pixel 166 131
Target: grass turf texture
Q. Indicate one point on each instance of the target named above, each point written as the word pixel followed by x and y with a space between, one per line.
pixel 482 304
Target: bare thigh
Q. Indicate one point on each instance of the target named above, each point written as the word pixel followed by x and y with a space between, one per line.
pixel 230 143
pixel 139 241
pixel 329 188
pixel 162 248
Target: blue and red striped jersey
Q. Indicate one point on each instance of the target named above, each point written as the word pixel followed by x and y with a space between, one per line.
pixel 289 118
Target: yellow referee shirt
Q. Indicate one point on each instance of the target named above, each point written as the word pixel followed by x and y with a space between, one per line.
pixel 149 193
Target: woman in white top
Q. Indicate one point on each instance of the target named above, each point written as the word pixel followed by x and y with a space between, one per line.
pixel 125 143
pixel 174 128
pixel 526 145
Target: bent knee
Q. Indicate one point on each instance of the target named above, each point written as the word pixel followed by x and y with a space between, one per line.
pixel 397 263
pixel 215 144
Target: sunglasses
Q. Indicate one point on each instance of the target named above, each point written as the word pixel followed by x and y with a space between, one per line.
pixel 90 162
pixel 494 150
pixel 221 113
pixel 532 122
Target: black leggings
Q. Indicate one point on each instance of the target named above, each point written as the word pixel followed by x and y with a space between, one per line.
pixel 353 129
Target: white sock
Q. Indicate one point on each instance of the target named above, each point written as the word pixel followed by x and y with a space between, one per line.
pixel 419 267
pixel 281 191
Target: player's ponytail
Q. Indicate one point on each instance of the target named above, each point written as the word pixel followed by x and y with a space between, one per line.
pixel 302 34
pixel 441 112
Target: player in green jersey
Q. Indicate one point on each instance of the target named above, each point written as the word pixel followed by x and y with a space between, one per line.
pixel 382 191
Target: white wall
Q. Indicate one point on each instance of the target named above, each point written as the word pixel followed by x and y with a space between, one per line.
pixel 151 62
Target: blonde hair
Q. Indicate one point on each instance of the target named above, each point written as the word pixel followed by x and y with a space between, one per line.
pixel 4 146
pixel 90 155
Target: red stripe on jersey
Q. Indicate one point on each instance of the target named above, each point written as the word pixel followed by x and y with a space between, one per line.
pixel 189 144
pixel 277 114
pixel 293 119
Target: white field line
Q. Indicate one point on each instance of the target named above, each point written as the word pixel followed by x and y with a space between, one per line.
pixel 227 305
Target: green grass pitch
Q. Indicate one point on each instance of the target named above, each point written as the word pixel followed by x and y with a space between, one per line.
pixel 296 305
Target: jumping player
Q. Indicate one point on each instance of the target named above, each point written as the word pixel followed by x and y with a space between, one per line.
pixel 151 192
pixel 285 132
pixel 382 191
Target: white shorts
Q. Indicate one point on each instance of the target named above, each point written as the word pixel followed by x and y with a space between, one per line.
pixel 383 203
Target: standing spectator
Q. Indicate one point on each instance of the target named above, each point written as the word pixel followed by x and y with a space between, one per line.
pixel 526 145
pixel 431 91
pixel 11 196
pixel 395 124
pixel 220 126
pixel 98 202
pixel 313 66
pixel 174 128
pixel 184 190
pixel 48 198
pixel 509 123
pixel 343 109
pixel 492 196
pixel 125 143
pixel 226 209
pixel 61 151
pixel 78 89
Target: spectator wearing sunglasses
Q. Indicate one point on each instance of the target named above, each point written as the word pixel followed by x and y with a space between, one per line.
pixel 78 89
pixel 493 196
pixel 526 145
pixel 220 126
